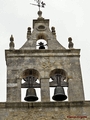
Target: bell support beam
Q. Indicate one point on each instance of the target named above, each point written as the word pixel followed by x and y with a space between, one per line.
pixel 30 82
pixel 54 84
pixel 26 85
pixel 58 79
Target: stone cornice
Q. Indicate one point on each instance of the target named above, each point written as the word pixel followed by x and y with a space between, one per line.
pixel 44 104
pixel 67 52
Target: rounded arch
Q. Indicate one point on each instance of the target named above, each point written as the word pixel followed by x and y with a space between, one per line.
pixel 24 74
pixel 28 72
pixel 58 71
pixel 42 36
pixel 41 41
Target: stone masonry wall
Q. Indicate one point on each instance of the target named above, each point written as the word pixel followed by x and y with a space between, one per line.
pixel 44 62
pixel 45 111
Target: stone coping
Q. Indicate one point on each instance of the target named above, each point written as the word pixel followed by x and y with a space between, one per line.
pixel 40 53
pixel 5 105
pixel 20 51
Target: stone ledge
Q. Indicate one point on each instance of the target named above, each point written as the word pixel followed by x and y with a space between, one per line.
pixel 5 105
pixel 42 51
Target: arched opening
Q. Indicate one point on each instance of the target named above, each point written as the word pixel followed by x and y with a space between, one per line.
pixel 41 42
pixel 58 85
pixel 32 83
pixel 28 72
pixel 58 71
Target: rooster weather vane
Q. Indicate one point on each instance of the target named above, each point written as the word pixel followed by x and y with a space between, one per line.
pixel 39 4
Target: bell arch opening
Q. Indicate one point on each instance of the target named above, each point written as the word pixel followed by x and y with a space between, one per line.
pixel 41 42
pixel 28 72
pixel 58 85
pixel 58 71
pixel 30 85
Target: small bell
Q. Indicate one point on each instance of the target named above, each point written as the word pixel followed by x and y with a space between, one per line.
pixel 31 95
pixel 59 94
pixel 41 45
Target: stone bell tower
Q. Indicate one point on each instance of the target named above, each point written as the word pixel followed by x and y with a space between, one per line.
pixel 49 61
pixel 42 58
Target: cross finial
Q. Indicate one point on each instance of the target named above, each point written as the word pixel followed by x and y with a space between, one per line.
pixel 39 4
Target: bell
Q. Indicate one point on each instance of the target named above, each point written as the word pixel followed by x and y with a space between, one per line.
pixel 31 95
pixel 41 45
pixel 59 94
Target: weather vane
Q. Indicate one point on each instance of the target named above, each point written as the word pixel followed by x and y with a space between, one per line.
pixel 39 4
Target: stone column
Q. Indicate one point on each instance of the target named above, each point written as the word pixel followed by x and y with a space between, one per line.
pixel 75 84
pixel 14 91
pixel 45 92
pixel 18 89
pixel 75 91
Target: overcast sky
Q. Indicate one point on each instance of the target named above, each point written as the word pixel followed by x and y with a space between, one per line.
pixel 71 18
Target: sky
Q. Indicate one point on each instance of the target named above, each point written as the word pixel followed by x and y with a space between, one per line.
pixel 71 18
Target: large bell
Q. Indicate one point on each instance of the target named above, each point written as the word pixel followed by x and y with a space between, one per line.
pixel 59 94
pixel 31 95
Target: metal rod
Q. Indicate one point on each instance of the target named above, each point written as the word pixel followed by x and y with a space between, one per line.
pixel 39 4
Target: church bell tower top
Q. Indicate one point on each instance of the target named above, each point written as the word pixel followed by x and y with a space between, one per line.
pixel 41 31
pixel 43 58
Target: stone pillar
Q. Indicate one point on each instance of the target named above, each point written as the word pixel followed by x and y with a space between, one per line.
pixel 18 89
pixel 14 91
pixel 75 91
pixel 45 92
pixel 13 86
pixel 75 84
